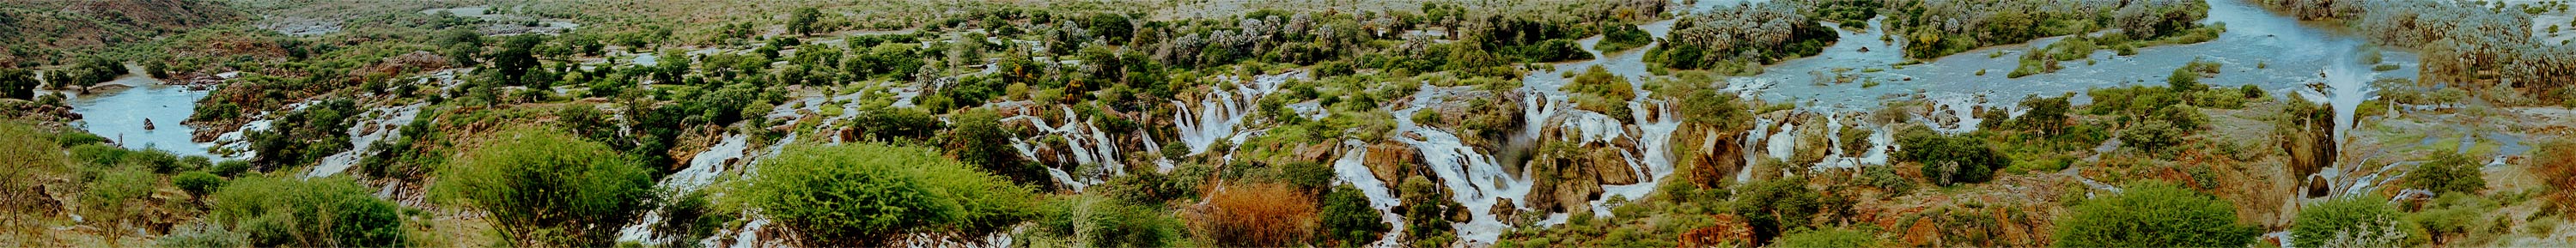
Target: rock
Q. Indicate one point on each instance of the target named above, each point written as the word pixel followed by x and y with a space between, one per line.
pixel 1724 229
pixel 1049 156
pixel 1575 195
pixel 849 134
pixel 1719 157
pixel 1319 152
pixel 1391 162
pixel 1611 169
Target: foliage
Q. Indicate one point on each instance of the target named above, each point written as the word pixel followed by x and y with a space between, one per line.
pixel 2350 221
pixel 978 139
pixel 1600 82
pixel 2548 163
pixel 545 187
pixel 1096 221
pixel 331 211
pixel 868 194
pixel 305 136
pixel 2448 173
pixel 1830 237
pixel 2455 219
pixel 28 154
pixel 1256 215
pixel 1735 36
pixel 197 183
pixel 1620 37
pixel 1426 211
pixel 802 22
pixel 1348 221
pixel 199 234
pixel 18 83
pixel 1773 207
pixel 2154 214
pixel 1949 159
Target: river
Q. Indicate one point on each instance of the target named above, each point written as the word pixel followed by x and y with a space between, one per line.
pixel 120 115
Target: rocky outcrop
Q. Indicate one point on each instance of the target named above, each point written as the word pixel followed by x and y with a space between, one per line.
pixel 2308 137
pixel 1391 162
pixel 1567 178
pixel 1718 156
pixel 1609 167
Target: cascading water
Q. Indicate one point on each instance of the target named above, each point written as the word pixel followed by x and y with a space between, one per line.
pixel 362 143
pixel 1352 169
pixel 1221 112
pixel 1474 179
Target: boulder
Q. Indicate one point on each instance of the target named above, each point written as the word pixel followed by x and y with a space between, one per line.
pixel 1610 168
pixel 1391 162
pixel 1719 157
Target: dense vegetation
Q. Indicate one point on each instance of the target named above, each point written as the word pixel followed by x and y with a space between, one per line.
pixel 1264 124
pixel 872 194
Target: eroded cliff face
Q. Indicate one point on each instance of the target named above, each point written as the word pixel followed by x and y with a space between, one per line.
pixel 2307 136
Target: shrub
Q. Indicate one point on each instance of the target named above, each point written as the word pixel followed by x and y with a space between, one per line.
pixel 2154 214
pixel 28 154
pixel 2453 217
pixel 2551 162
pixel 231 168
pixel 1600 82
pixel 197 183
pixel 1950 159
pixel 2349 222
pixel 544 187
pixel 870 194
pixel 1426 210
pixel 978 139
pixel 331 211
pixel 1775 206
pixel 1097 221
pixel 2447 173
pixel 1827 238
pixel 1255 215
pixel 199 234
pixel 1348 220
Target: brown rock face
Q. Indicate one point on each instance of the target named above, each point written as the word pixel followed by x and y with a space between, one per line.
pixel 1391 162
pixel 1726 229
pixel 1319 152
pixel 1610 168
pixel 1719 157
pixel 2308 136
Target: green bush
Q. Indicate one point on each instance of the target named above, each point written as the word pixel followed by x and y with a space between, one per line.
pixel 1092 220
pixel 1775 206
pixel 1827 238
pixel 870 194
pixel 1621 36
pixel 1348 220
pixel 112 194
pixel 978 139
pixel 2351 221
pixel 1950 159
pixel 197 183
pixel 2447 173
pixel 199 234
pixel 544 187
pixel 231 168
pixel 2154 214
pixel 330 211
